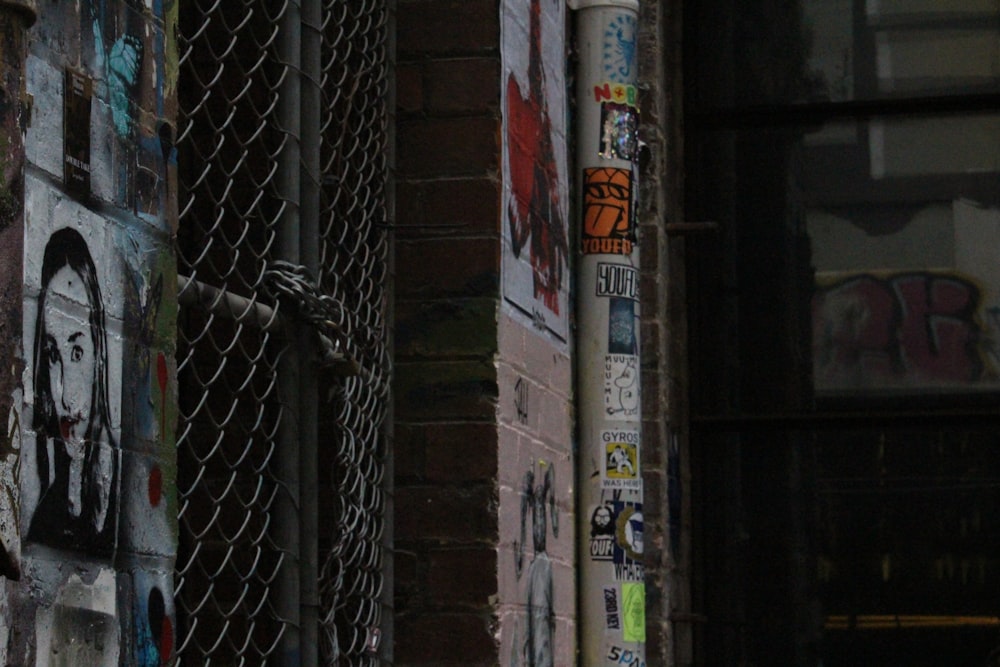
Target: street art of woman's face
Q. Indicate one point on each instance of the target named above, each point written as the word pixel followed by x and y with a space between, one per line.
pixel 69 352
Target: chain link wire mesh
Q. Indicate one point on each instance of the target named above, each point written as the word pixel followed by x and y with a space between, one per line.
pixel 353 269
pixel 239 299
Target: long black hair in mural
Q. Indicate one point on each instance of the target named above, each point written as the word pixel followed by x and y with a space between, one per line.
pixel 76 452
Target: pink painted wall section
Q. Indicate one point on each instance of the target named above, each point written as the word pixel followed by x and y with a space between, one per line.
pixel 95 508
pixel 537 582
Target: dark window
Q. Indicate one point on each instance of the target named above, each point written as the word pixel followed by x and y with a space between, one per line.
pixel 845 330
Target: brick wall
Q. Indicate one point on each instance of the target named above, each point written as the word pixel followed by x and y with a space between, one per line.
pixel 536 462
pixel 665 463
pixel 483 399
pixel 446 290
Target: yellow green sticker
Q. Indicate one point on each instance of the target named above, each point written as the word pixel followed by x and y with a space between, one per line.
pixel 634 612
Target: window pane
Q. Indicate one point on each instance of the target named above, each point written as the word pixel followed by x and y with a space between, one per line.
pixel 914 61
pixel 860 258
pixel 847 547
pixel 903 222
pixel 765 53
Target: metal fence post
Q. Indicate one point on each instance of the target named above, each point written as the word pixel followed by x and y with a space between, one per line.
pixel 287 535
pixel 309 235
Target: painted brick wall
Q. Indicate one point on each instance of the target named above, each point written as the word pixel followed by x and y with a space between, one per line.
pixel 483 431
pixel 95 506
pixel 536 480
pixel 537 577
pixel 446 291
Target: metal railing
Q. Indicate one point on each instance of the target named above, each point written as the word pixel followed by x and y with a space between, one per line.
pixel 282 358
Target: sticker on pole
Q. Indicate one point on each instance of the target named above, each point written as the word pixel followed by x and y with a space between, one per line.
pixel 622 337
pixel 619 93
pixel 634 612
pixel 621 387
pixel 621 459
pixel 627 556
pixel 602 533
pixel 608 211
pixel 619 132
pixel 611 614
pixel 619 47
pixel 617 280
pixel 626 657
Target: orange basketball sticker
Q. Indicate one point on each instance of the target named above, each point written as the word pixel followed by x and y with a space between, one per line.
pixel 608 227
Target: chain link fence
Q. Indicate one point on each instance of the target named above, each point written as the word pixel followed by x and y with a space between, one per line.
pixel 282 353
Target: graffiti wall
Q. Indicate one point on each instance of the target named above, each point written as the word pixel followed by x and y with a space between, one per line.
pixel 535 182
pixel 910 329
pixel 904 329
pixel 94 507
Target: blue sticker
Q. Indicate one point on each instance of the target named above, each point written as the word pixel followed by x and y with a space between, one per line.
pixel 628 549
pixel 621 326
pixel 619 48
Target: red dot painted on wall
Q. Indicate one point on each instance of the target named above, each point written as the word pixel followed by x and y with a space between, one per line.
pixel 155 484
pixel 166 640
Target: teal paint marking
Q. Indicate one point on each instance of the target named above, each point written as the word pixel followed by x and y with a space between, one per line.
pixel 123 71
pixel 120 65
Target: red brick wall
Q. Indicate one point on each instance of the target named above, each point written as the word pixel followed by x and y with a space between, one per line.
pixel 447 290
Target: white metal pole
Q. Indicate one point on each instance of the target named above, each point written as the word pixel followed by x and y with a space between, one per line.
pixel 612 582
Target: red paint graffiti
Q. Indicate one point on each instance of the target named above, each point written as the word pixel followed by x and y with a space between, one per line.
pixel 908 329
pixel 535 207
pixel 155 486
pixel 166 640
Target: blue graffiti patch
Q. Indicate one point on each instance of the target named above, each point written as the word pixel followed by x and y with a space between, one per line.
pixel 120 65
pixel 123 70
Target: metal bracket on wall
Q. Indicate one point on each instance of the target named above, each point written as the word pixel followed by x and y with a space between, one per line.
pixel 686 228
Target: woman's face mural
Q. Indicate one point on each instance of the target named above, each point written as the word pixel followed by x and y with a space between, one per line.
pixel 70 353
pixel 76 453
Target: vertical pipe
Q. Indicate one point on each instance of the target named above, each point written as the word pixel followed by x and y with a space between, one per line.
pixel 288 603
pixel 309 236
pixel 612 581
